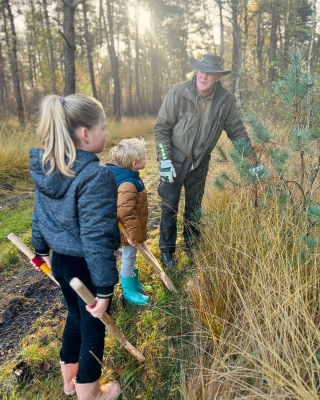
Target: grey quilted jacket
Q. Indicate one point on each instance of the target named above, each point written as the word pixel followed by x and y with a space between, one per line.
pixel 178 125
pixel 78 216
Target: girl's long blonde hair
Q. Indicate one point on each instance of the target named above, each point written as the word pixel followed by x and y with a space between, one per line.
pixel 59 118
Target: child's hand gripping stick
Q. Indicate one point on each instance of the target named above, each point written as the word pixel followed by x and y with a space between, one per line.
pixel 147 254
pixel 31 255
pixel 111 327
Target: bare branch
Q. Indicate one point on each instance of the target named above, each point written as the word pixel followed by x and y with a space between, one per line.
pixel 75 5
pixel 62 34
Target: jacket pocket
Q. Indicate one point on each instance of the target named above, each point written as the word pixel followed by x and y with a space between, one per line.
pixel 178 159
pixel 163 190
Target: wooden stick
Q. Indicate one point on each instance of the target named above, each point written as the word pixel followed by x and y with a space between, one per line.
pixel 30 254
pixel 147 254
pixel 111 327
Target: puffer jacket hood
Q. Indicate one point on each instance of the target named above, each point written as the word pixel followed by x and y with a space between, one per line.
pixel 126 175
pixel 55 185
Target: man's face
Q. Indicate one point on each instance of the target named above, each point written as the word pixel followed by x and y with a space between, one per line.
pixel 206 82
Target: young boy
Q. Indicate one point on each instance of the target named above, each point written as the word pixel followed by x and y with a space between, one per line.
pixel 130 157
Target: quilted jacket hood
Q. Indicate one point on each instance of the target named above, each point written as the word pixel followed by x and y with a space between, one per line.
pixel 56 185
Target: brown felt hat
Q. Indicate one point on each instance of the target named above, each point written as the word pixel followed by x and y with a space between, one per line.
pixel 209 63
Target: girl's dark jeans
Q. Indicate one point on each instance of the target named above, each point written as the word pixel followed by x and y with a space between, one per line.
pixel 83 333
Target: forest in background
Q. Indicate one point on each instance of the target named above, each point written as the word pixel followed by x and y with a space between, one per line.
pixel 102 48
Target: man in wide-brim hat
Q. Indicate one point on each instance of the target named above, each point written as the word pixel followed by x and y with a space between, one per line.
pixel 189 124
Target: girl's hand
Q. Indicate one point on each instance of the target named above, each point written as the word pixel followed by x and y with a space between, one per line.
pixel 131 242
pixel 99 308
pixel 45 259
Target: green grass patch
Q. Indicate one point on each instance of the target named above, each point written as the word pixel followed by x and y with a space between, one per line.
pixel 18 221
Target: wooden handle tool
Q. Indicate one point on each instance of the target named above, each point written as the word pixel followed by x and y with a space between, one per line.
pixel 111 327
pixel 147 254
pixel 30 254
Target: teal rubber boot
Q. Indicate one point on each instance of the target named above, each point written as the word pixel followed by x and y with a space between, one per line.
pixel 139 286
pixel 130 292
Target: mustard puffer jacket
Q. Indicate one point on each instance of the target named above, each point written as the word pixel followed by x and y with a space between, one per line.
pixel 132 204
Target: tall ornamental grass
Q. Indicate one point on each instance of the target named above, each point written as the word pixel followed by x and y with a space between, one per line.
pixel 255 299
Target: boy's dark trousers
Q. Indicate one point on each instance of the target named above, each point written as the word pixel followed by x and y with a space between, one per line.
pixel 83 333
pixel 194 183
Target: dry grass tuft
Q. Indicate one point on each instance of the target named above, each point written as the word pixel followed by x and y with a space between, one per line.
pixel 15 143
pixel 128 128
pixel 256 295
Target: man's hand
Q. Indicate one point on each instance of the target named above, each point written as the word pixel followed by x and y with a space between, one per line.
pixel 131 242
pixel 45 259
pixel 167 172
pixel 99 308
pixel 258 172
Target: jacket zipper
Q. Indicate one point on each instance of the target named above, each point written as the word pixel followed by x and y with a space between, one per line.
pixel 213 121
pixel 196 136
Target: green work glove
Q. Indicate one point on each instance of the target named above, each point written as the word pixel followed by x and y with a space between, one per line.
pixel 167 172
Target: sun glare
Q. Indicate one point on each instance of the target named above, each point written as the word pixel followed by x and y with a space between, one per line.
pixel 144 18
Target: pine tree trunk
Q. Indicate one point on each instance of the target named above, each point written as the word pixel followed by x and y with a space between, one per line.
pixel 13 56
pixel 114 65
pixel 156 86
pixel 50 45
pixel 3 85
pixel 273 42
pixel 137 65
pixel 287 35
pixel 129 110
pixel 313 33
pixel 69 48
pixel 245 40
pixel 89 56
pixel 221 29
pixel 235 53
pixel 316 50
pixel 259 40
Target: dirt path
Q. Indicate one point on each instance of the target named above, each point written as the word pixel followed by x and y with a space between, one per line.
pixel 29 295
pixel 11 200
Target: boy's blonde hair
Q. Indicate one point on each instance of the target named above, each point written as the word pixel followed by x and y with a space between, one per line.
pixel 59 118
pixel 128 151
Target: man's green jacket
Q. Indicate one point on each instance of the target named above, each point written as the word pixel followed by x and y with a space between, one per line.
pixel 178 126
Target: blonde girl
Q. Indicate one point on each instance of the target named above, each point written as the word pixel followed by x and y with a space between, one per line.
pixel 75 215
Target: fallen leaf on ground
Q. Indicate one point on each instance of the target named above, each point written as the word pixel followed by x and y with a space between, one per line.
pixel 44 366
pixel 119 370
pixel 18 372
